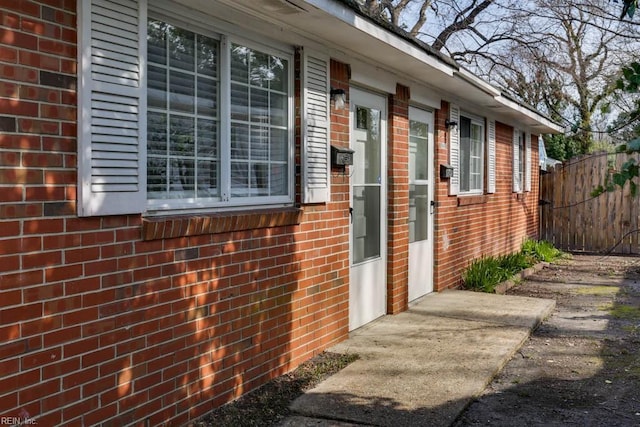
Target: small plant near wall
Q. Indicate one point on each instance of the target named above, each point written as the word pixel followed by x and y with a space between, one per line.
pixel 485 273
pixel 541 250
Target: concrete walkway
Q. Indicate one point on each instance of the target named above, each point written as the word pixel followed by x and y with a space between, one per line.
pixel 424 366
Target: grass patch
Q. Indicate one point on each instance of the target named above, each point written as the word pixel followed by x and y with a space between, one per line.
pixel 628 312
pixel 598 290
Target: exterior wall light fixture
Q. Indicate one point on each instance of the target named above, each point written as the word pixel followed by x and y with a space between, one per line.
pixel 339 98
pixel 450 123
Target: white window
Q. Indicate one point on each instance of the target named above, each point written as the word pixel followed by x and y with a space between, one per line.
pixel 521 161
pixel 471 160
pixel 181 117
pixel 199 152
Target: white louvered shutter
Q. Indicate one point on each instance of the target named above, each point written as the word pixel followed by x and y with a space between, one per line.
pixel 491 157
pixel 316 129
pixel 516 161
pixel 454 150
pixel 112 110
pixel 527 171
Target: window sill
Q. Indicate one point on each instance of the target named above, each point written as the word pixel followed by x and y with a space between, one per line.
pixel 215 223
pixel 471 200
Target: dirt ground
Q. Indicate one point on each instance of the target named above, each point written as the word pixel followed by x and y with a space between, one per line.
pixel 582 365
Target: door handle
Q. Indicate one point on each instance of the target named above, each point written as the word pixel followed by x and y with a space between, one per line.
pixel 433 205
pixel 350 214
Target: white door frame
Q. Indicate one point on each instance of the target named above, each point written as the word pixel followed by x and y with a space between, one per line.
pixel 368 275
pixel 421 256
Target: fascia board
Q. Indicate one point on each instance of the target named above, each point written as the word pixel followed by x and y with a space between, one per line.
pixel 543 124
pixel 350 17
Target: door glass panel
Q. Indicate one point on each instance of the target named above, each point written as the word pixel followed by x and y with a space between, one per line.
pixel 367 146
pixel 366 223
pixel 418 154
pixel 418 180
pixel 366 185
pixel 418 212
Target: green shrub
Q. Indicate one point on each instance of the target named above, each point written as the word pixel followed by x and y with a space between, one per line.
pixel 541 250
pixel 515 263
pixel 485 273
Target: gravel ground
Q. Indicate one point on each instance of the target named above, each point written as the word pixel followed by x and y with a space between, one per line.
pixel 581 367
pixel 269 404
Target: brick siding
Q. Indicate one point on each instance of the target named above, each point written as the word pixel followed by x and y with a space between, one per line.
pixel 117 319
pixel 469 227
pixel 124 319
pixel 398 196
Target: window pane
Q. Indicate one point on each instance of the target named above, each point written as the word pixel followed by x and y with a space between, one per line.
pixel 156 87
pixel 207 179
pixel 182 136
pixel 207 56
pixel 181 48
pixel 239 141
pixel 278 109
pixel 240 64
pixel 259 182
pixel 465 154
pixel 207 139
pixel 156 176
pixel 181 178
pixel 259 106
pixel 278 145
pixel 239 102
pixel 261 71
pixel 207 97
pixel 259 143
pixel 471 154
pixel 156 42
pixel 156 133
pixel 184 121
pixel 259 117
pixel 279 182
pixel 280 73
pixel 239 179
pixel 182 91
pixel 182 127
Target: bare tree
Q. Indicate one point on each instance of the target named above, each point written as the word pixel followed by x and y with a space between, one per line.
pixel 561 56
pixel 574 47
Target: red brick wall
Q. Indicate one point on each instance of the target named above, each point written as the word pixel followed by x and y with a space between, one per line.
pixel 398 196
pixel 122 319
pixel 468 227
pixel 116 319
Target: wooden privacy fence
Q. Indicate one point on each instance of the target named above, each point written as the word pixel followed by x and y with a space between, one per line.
pixel 573 220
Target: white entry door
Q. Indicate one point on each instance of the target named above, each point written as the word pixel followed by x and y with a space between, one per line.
pixel 367 291
pixel 421 189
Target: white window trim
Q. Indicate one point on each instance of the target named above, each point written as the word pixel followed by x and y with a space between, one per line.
pixel 482 122
pixel 521 185
pixel 224 202
pixel 112 166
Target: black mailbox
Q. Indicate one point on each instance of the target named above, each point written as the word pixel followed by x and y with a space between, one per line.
pixel 446 171
pixel 341 156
